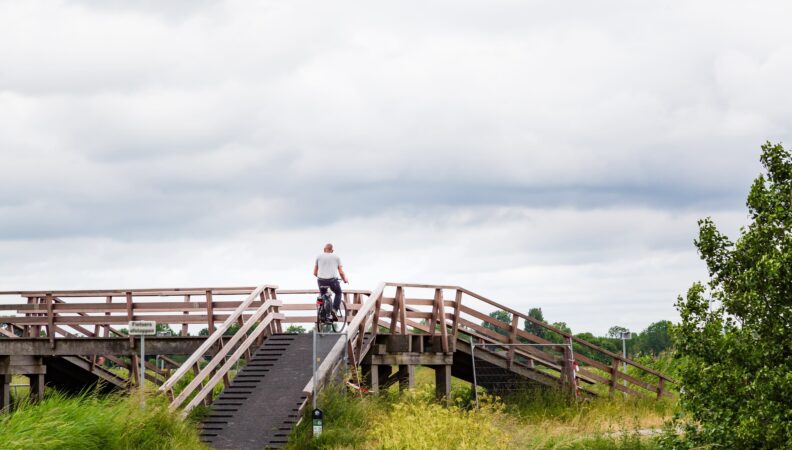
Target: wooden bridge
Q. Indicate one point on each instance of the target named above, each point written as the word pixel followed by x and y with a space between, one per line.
pixel 60 338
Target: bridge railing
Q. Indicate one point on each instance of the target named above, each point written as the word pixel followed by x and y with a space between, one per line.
pixel 74 312
pixel 208 376
pixel 459 315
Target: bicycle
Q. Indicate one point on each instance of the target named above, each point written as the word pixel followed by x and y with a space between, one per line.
pixel 324 317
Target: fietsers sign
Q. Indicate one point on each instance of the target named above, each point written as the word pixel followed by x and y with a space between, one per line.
pixel 142 328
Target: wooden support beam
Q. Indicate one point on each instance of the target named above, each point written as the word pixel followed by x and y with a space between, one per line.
pixel 413 359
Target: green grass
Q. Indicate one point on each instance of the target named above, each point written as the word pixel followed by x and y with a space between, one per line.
pixel 90 421
pixel 542 419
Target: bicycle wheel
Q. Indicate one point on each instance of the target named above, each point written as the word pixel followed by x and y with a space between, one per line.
pixel 340 324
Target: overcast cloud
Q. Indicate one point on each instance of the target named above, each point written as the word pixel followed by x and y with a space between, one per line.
pixel 552 154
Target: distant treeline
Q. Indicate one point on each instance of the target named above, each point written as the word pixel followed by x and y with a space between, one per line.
pixel 654 339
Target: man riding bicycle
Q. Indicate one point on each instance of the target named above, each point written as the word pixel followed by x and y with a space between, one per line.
pixel 327 269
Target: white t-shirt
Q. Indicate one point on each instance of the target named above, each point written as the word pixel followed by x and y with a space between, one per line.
pixel 328 265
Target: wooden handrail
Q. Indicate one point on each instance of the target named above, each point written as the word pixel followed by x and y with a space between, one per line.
pixel 213 338
pixel 152 292
pixel 368 309
pixel 568 335
pixel 264 309
pixel 510 333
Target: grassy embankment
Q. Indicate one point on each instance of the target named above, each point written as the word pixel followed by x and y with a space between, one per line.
pixel 542 419
pixel 536 420
pixel 93 422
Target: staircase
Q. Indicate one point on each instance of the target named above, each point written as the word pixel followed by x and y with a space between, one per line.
pixel 266 398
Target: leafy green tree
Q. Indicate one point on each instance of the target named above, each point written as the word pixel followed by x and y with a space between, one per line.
pixel 203 332
pixel 735 336
pixel 502 316
pixel 654 339
pixel 295 329
pixel 615 331
pixel 536 330
pixel 552 336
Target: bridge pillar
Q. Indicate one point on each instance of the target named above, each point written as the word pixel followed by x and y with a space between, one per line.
pixel 406 377
pixel 5 391
pixel 36 387
pixel 376 376
pixel 443 382
pixel 32 366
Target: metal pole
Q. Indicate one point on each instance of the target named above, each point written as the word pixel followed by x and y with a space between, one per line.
pixel 473 361
pixel 313 395
pixel 142 360
pixel 142 369
pixel 624 363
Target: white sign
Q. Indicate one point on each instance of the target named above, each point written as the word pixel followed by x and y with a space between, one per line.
pixel 142 328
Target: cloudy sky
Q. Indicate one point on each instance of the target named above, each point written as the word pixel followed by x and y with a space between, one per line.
pixel 543 153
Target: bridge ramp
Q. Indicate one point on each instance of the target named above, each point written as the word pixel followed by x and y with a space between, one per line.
pixel 75 374
pixel 263 403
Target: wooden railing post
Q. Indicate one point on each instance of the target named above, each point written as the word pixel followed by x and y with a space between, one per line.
pixel 457 307
pixel 130 317
pixel 403 312
pixel 361 329
pixel 263 296
pixel 50 321
pixel 108 300
pixel 569 364
pixel 375 322
pixel 513 338
pixel 396 309
pixel 184 329
pixel 276 310
pixel 209 312
pixel 438 300
pixel 614 376
pixel 435 312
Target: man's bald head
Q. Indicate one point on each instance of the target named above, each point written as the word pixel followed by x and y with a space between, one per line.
pixel 328 248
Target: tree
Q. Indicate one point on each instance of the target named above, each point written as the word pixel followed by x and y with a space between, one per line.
pixel 530 327
pixel 552 336
pixel 203 332
pixel 616 331
pixel 654 339
pixel 502 316
pixel 734 336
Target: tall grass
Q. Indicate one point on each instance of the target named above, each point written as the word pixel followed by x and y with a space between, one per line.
pixel 90 421
pixel 541 419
